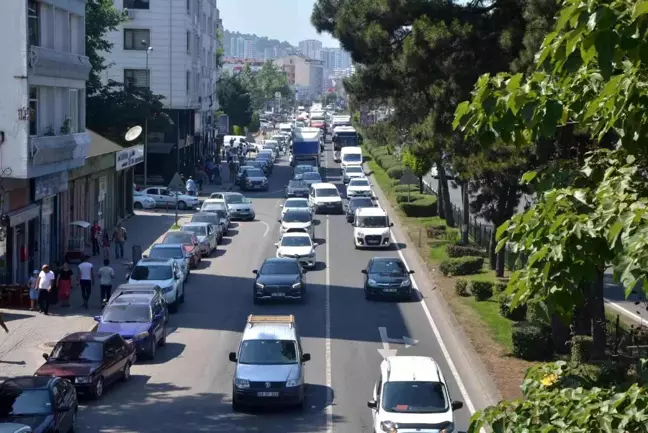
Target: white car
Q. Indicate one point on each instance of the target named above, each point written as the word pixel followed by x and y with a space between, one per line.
pixel 142 201
pixel 297 220
pixel 294 203
pixel 352 172
pixel 299 246
pixel 359 187
pixel 164 273
pixel 325 197
pixel 371 228
pixel 164 197
pixel 412 391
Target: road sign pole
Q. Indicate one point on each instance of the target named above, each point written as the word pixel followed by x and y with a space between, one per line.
pixel 176 208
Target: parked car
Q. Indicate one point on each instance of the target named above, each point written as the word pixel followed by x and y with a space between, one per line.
pixel 190 243
pixel 152 291
pixel 165 198
pixel 142 201
pixel 218 220
pixel 90 360
pixel 239 206
pixel 207 237
pixel 278 279
pixel 164 273
pixel 171 251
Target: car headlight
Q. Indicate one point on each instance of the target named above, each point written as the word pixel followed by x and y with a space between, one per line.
pixel 386 233
pixel 241 383
pixel 259 285
pixel 406 283
pixel 449 429
pixel 312 253
pixel 265 181
pixel 167 289
pixel 360 234
pixel 297 285
pixel 293 382
pixel 141 336
pixel 371 282
pixel 388 427
pixel 82 379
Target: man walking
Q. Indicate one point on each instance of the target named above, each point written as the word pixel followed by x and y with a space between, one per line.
pixel 44 284
pixel 106 277
pixel 232 171
pixel 191 186
pixel 118 238
pixel 86 280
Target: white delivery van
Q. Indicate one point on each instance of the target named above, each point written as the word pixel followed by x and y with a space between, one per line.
pixel 350 155
pixel 238 141
pixel 371 228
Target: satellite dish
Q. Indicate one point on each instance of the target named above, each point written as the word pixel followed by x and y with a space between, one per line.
pixel 133 133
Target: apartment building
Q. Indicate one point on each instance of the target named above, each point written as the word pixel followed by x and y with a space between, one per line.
pixel 171 47
pixel 311 48
pixel 306 74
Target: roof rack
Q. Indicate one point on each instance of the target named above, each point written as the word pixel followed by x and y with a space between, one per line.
pixel 252 319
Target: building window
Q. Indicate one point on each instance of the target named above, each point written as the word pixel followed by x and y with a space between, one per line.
pixel 188 79
pixel 136 4
pixel 188 42
pixel 139 78
pixel 33 110
pixel 188 6
pixel 75 112
pixel 33 22
pixel 137 39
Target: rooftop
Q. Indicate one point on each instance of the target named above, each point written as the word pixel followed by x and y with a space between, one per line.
pixel 413 368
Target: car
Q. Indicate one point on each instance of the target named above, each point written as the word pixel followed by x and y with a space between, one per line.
pixel 239 173
pixel 324 197
pixel 213 205
pixel 279 279
pixel 166 198
pixel 357 203
pixel 218 220
pixel 207 236
pixel 387 277
pixel 190 243
pixel 269 364
pixel 260 164
pixel 266 158
pixel 143 201
pixel 152 291
pixel 294 204
pixel 359 187
pixel 139 319
pixel 269 152
pixel 299 246
pixel 311 178
pixel 40 403
pixel 297 188
pixel 412 391
pixel 171 251
pixel 254 178
pixel 300 169
pixel 371 228
pixel 164 273
pixel 352 172
pixel 90 360
pixel 239 206
pixel 297 219
pixel 12 427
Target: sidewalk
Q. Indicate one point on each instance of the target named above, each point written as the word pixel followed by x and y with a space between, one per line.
pixel 31 334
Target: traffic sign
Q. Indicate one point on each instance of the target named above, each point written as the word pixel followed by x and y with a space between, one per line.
pixel 176 183
pixel 408 178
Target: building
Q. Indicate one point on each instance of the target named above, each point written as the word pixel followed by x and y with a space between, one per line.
pixel 235 65
pixel 306 74
pixel 310 48
pixel 250 50
pixel 171 47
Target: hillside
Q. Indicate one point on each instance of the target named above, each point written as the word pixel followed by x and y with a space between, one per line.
pixel 262 42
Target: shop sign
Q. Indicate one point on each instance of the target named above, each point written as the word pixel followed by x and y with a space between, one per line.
pixel 129 157
pixel 51 184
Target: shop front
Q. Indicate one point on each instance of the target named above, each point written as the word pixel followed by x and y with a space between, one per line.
pixel 125 161
pixel 47 191
pixel 23 239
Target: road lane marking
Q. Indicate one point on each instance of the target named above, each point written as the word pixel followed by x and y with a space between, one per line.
pixel 624 311
pixel 385 352
pixel 267 228
pixel 328 373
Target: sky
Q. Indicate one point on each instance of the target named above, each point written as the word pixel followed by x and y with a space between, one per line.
pixel 286 20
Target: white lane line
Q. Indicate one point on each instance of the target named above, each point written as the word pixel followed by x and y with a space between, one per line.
pixel 327 307
pixel 624 311
pixel 267 228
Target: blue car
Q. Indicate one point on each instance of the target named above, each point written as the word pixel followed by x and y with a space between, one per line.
pixel 138 318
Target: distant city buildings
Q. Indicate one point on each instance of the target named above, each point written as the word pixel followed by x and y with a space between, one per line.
pixel 305 74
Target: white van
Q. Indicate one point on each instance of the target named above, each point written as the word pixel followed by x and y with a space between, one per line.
pixel 350 155
pixel 238 140
pixel 371 228
pixel 325 197
pixel 286 127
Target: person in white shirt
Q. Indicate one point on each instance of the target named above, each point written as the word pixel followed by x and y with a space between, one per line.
pixel 86 280
pixel 44 284
pixel 106 276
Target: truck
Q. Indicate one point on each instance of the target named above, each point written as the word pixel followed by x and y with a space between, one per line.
pixel 344 136
pixel 306 145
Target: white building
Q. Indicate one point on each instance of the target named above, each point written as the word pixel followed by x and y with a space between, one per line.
pixel 311 48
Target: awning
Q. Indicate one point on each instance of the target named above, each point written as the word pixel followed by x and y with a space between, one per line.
pixel 24 214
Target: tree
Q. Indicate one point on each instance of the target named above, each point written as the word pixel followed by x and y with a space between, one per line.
pixel 418 160
pixel 255 124
pixel 265 83
pixel 234 99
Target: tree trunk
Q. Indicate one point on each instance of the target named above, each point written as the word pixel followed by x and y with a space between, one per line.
pixel 445 196
pixel 560 335
pixel 440 207
pixel 505 209
pixel 501 263
pixel 492 255
pixel 421 184
pixel 597 311
pixel 582 317
pixel 465 213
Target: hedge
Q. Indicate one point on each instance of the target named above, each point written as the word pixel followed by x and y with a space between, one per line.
pixel 538 314
pixel 409 198
pixel 405 188
pixel 465 251
pixel 531 342
pixel 387 162
pixel 581 348
pixel 481 289
pixel 517 314
pixel 395 172
pixel 461 266
pixel 424 207
pixel 461 287
pixel 379 151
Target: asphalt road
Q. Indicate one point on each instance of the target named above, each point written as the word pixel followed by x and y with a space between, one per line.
pixel 188 387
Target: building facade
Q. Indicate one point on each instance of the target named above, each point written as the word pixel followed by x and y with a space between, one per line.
pixel 311 48
pixel 306 74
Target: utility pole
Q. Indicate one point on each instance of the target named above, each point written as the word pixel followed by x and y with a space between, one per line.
pixel 148 84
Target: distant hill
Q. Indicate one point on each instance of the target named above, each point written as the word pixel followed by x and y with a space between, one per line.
pixel 262 42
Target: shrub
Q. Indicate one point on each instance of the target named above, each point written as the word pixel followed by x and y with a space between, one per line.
pixel 531 342
pixel 581 348
pixel 517 314
pixel 405 188
pixel 387 161
pixel 481 289
pixel 461 287
pixel 426 206
pixel 500 286
pixel 464 251
pixel 379 151
pixel 538 314
pixel 409 198
pixel 395 172
pixel 461 266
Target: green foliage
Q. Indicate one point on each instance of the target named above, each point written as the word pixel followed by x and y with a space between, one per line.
pixel 465 250
pixel 234 99
pixel 409 197
pixel 238 130
pixel 581 348
pixel 387 161
pixel 420 162
pixel 531 342
pixel 517 314
pixel 424 207
pixel 264 83
pixel 481 289
pixel 461 287
pixel 395 172
pixel 436 231
pixel 461 266
pixel 255 124
pixel 538 314
pixel 405 188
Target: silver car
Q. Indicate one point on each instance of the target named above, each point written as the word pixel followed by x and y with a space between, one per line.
pixel 269 364
pixel 171 251
pixel 207 236
pixel 253 178
pixel 218 219
pixel 239 206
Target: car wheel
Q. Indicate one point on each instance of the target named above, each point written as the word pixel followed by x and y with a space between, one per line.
pixel 162 341
pixel 173 308
pixel 182 297
pixel 98 389
pixel 73 423
pixel 236 406
pixel 182 205
pixel 126 374
pixel 137 205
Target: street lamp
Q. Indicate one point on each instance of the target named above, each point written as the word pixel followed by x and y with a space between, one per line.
pixel 148 83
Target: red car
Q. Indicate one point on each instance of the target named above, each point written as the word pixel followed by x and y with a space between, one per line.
pixel 190 243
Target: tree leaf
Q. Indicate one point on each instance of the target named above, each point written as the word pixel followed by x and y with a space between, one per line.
pixel 529 176
pixel 501 229
pixel 613 234
pixel 640 9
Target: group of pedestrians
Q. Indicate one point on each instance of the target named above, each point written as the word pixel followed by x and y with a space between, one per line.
pixel 101 240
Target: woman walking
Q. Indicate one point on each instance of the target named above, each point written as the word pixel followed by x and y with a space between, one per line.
pixel 64 284
pixel 105 244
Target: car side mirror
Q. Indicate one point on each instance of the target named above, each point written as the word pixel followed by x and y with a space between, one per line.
pixel 364 271
pixel 45 356
pixel 456 405
pixel 305 357
pixel 391 224
pixel 372 404
pixel 276 244
pixel 255 271
pixel 128 276
pixel 145 256
pixel 232 356
pixel 97 318
pixel 279 220
pixel 315 244
pixel 411 271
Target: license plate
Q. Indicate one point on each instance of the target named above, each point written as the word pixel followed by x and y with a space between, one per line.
pixel 389 290
pixel 267 394
pixel 373 242
pixel 278 295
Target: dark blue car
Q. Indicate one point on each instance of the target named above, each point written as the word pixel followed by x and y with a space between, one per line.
pixel 137 318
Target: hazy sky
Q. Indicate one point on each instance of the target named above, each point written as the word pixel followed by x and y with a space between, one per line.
pixel 286 20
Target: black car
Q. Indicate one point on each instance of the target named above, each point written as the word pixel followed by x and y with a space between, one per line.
pixel 357 203
pixel 279 279
pixel 267 158
pixel 387 277
pixel 46 404
pixel 261 164
pixel 297 188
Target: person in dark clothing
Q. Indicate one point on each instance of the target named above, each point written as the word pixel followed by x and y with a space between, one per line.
pixel 95 232
pixel 232 171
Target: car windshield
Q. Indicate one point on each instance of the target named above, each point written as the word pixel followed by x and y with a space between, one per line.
pixel 372 221
pixel 414 397
pixel 359 182
pixel 151 273
pixel 295 204
pixel 391 267
pixel 360 202
pixel 280 268
pixel 312 176
pixel 245 167
pixel 254 172
pixel 78 351
pixel 354 169
pixel 23 402
pixel 235 199
pixel 166 253
pixel 268 352
pixel 297 217
pixel 210 219
pixel 352 157
pixel 178 238
pixel 198 230
pixel 296 241
pixel 207 207
pixel 303 169
pixel 129 313
pixel 326 192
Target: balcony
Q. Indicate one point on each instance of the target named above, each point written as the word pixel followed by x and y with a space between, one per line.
pixel 58 64
pixel 51 149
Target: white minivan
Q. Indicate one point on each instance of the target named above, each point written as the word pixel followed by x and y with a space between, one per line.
pixel 350 155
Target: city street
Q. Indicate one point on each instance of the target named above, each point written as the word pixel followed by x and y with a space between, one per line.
pixel 188 387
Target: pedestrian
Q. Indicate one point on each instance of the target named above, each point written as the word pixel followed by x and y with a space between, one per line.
pixel 33 290
pixel 106 277
pixel 232 171
pixel 105 244
pixel 86 280
pixel 119 237
pixel 64 284
pixel 95 234
pixel 241 160
pixel 45 280
pixel 191 186
pixel 2 323
pixel 54 290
